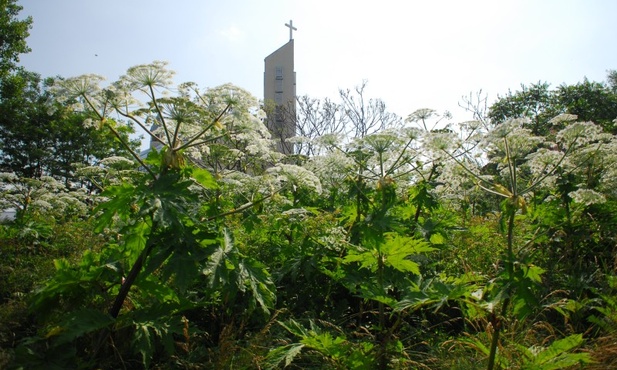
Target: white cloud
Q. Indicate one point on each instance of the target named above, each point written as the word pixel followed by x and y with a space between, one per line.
pixel 232 33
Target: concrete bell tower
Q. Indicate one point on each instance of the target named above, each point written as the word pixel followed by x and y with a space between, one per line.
pixel 280 94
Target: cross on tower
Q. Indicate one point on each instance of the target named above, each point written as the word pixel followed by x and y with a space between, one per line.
pixel 291 29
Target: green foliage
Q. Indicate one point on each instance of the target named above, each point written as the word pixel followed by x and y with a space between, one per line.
pixel 560 354
pixel 336 351
pixel 605 306
pixel 535 101
pixel 230 271
pixel 395 252
pixel 78 323
pixel 27 263
pixel 40 139
pixel 590 101
pixel 436 293
pixel 556 356
pixel 380 251
pixel 13 34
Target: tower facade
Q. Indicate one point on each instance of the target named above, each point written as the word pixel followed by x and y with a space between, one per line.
pixel 280 94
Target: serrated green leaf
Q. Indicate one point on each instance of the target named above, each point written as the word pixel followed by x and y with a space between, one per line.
pixel 398 249
pixel 135 239
pixel 204 178
pixel 437 239
pixel 367 259
pixel 142 343
pixel 294 327
pixel 79 323
pixel 558 356
pixel 285 353
pixel 534 273
pixel 120 201
pixel 261 286
pixel 216 268
pixel 155 289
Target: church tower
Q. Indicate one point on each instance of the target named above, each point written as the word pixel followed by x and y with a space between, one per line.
pixel 280 94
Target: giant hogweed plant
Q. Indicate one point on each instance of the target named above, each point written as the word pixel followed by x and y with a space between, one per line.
pixel 31 197
pixel 381 260
pixel 163 220
pixel 524 164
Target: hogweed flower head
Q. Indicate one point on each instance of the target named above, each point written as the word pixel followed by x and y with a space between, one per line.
pixel 587 197
pixel 579 134
pixel 81 86
pixel 297 176
pixel 329 140
pixel 150 75
pixel 421 115
pixel 511 139
pixel 508 127
pixel 117 162
pixel 83 92
pixel 380 142
pixel 563 118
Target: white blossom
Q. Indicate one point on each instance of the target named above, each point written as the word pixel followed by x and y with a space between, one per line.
pixel 297 176
pixel 329 140
pixel 507 127
pixel 296 214
pixel 587 197
pixel 150 75
pixel 421 114
pixel 70 88
pixel 381 141
pixel 512 139
pixel 579 134
pixel 7 177
pixel 335 238
pixel 563 118
pixel 440 141
pixel 117 162
pixel 89 123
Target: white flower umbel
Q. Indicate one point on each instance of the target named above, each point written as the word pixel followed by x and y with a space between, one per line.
pixel 608 177
pixel 147 77
pixel 297 176
pixel 296 214
pixel 519 140
pixel 45 195
pixel 587 197
pixel 117 162
pixel 579 134
pixel 455 184
pixel 563 118
pixel 436 143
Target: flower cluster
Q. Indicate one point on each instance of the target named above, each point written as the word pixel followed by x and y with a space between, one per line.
pixel 587 197
pixel 297 176
pixel 511 139
pixel 44 195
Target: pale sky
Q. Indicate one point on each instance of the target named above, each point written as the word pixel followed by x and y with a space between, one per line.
pixel 414 54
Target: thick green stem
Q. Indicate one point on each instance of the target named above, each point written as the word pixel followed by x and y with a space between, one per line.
pixel 122 294
pixel 416 216
pixel 160 115
pixel 383 335
pixel 496 322
pixel 208 127
pixel 129 281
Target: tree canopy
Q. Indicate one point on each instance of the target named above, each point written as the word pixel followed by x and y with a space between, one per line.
pixel 38 137
pixel 590 101
pixel 387 244
pixel 13 34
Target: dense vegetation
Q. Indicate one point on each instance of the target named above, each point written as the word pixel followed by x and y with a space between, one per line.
pixel 384 243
